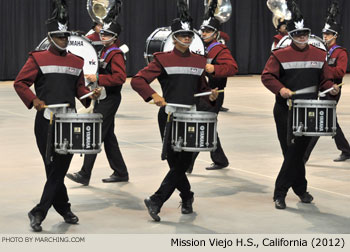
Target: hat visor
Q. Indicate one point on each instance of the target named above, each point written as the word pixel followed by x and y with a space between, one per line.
pixel 60 33
pixel 107 32
pixel 299 31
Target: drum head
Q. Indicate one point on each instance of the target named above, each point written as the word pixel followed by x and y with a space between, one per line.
pixel 80 46
pixel 313 40
pixel 161 41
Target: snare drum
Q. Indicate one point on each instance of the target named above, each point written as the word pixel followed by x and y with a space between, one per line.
pixel 78 133
pixel 194 131
pixel 161 41
pixel 313 40
pixel 79 45
pixel 314 118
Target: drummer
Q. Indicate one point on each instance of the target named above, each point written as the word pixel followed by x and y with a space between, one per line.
pixel 181 75
pixel 58 77
pixel 337 59
pixel 291 68
pixel 111 76
pixel 220 65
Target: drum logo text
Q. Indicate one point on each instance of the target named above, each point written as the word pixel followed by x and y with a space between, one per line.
pixel 88 137
pixel 201 136
pixel 92 62
pixel 321 121
pixel 76 43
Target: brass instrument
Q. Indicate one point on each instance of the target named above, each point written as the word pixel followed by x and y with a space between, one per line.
pixel 280 11
pixel 223 10
pixel 98 9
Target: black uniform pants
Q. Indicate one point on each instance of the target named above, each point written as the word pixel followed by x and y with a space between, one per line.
pixel 176 177
pixel 55 192
pixel 108 108
pixel 218 156
pixel 292 173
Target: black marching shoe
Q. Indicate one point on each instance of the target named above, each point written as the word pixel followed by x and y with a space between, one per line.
pixel 186 206
pixel 70 218
pixel 306 197
pixel 342 158
pixel 280 203
pixel 78 178
pixel 223 109
pixel 214 166
pixel 153 209
pixel 114 178
pixel 35 222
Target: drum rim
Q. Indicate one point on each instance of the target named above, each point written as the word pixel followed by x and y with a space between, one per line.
pixel 313 102
pixel 78 116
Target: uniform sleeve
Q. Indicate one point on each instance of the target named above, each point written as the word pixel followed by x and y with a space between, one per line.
pixel 270 75
pixel 142 80
pixel 25 78
pixel 326 77
pixel 81 90
pixel 204 87
pixel 340 69
pixel 225 65
pixel 118 76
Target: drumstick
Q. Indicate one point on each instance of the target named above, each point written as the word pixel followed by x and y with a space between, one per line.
pixel 305 90
pixel 88 94
pixel 174 105
pixel 328 90
pixel 208 93
pixel 57 105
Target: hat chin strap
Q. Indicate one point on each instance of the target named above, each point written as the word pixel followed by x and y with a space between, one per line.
pixel 330 40
pixel 182 43
pixel 212 35
pixel 109 40
pixel 55 44
pixel 298 42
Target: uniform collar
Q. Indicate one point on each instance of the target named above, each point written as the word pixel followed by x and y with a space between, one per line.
pixel 112 45
pixel 57 52
pixel 298 49
pixel 211 42
pixel 179 53
pixel 332 47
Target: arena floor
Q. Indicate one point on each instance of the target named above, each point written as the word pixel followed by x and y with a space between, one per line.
pixel 236 200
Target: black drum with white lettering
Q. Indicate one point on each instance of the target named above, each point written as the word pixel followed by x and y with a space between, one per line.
pixel 314 118
pixel 194 131
pixel 78 133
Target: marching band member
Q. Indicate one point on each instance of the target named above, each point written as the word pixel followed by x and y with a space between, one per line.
pixel 111 76
pixel 291 68
pixel 281 28
pixel 220 65
pixel 58 78
pixel 181 74
pixel 337 59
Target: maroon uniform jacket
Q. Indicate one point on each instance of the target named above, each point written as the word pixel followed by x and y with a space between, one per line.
pixel 181 75
pixel 277 38
pixel 224 64
pixel 94 36
pixel 112 73
pixel 337 60
pixel 58 78
pixel 295 69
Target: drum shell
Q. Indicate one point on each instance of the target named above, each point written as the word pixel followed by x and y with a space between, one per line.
pixel 194 131
pixel 314 117
pixel 78 133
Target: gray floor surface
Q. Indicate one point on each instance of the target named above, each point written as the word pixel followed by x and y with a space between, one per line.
pixel 237 199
